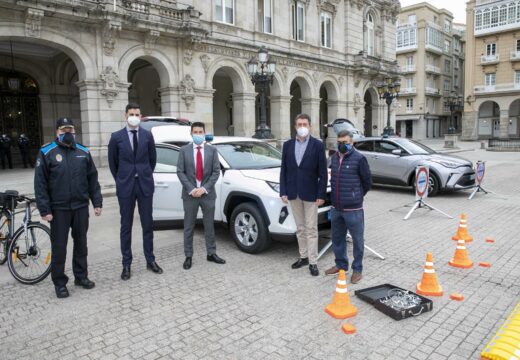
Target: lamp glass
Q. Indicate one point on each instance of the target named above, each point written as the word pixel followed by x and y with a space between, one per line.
pixel 263 56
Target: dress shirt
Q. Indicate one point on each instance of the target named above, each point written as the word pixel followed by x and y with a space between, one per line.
pixel 299 148
pixel 131 135
pixel 195 162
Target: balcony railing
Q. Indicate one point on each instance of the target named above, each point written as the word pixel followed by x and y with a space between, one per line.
pixel 432 91
pixel 515 56
pixel 432 69
pixel 434 48
pixel 408 68
pixel 489 59
pixel 484 89
pixel 408 90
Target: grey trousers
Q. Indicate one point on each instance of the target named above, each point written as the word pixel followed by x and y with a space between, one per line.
pixel 191 207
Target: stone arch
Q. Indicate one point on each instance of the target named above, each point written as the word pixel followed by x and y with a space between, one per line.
pixel 31 68
pixel 332 87
pixel 82 58
pixel 488 123
pixel 370 121
pixel 514 119
pixel 161 63
pixel 235 70
pixel 305 82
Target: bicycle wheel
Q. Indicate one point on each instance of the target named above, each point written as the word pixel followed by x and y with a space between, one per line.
pixel 29 258
pixel 3 251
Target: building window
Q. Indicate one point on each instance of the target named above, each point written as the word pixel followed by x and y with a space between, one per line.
pixel 491 49
pixel 447 66
pixel 517 45
pixel 478 20
pixel 447 46
pixel 265 16
pixel 447 87
pixel 225 11
pixel 406 37
pixel 517 77
pixel 409 104
pixel 412 20
pixel 447 26
pixel 326 29
pixel 370 35
pixel 494 17
pixel 409 60
pixel 503 15
pixel 490 79
pixel 298 21
pixel 409 82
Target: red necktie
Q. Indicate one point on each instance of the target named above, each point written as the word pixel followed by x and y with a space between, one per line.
pixel 198 167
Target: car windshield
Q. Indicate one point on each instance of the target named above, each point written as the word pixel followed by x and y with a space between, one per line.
pixel 414 147
pixel 250 155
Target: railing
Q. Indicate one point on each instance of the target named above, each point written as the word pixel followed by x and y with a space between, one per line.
pixel 515 56
pixel 489 59
pixel 432 69
pixel 434 48
pixel 509 144
pixel 432 91
pixel 496 88
pixel 408 68
pixel 408 90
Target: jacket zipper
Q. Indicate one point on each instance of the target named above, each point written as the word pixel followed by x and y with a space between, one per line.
pixel 337 178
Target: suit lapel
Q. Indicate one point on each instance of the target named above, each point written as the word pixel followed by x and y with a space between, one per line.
pixel 307 149
pixel 208 159
pixel 126 140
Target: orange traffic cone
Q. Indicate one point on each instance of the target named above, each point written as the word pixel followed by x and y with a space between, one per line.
pixel 341 308
pixel 429 285
pixel 462 231
pixel 461 258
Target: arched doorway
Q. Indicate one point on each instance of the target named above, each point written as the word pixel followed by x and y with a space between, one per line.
pixel 368 122
pixel 489 120
pixel 514 119
pixel 296 104
pixel 222 104
pixel 144 88
pixel 324 112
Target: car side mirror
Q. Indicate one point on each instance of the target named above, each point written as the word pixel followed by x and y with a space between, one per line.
pixel 397 152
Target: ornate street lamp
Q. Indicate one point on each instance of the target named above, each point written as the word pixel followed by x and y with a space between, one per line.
pixel 455 103
pixel 261 69
pixel 388 90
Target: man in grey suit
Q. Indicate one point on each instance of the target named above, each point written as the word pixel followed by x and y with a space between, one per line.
pixel 198 169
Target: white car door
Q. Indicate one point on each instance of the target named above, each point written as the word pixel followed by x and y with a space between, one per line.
pixel 167 202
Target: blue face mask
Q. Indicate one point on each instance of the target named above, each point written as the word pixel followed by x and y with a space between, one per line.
pixel 344 148
pixel 198 139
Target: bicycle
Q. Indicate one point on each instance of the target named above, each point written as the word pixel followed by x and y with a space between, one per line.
pixel 28 248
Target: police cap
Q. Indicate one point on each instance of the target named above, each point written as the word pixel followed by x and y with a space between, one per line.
pixel 64 122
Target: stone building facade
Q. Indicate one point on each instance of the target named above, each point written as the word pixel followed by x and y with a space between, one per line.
pixel 86 59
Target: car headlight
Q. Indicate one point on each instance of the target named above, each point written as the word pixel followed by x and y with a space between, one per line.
pixel 446 163
pixel 274 186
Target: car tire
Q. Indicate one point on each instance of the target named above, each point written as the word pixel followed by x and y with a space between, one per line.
pixel 248 229
pixel 434 185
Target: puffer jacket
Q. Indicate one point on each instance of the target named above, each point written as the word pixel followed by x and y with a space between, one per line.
pixel 350 180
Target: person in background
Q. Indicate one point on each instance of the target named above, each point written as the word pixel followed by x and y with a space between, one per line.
pixel 303 184
pixel 5 150
pixel 350 181
pixel 24 144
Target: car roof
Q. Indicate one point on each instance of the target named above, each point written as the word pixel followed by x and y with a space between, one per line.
pixel 176 134
pixel 377 138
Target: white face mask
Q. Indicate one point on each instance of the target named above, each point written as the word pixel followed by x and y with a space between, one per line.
pixel 302 131
pixel 133 121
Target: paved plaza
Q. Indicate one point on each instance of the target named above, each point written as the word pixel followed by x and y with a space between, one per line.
pixel 257 307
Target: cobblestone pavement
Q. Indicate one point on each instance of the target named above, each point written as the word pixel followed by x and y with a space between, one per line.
pixel 256 307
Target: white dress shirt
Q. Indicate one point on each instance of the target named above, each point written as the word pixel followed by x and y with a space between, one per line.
pixel 195 150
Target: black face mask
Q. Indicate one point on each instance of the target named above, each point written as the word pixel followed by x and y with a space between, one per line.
pixel 67 138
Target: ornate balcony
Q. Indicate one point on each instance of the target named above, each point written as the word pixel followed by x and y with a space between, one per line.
pixel 489 59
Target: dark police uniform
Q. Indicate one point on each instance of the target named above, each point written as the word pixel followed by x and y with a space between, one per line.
pixel 5 150
pixel 65 179
pixel 24 144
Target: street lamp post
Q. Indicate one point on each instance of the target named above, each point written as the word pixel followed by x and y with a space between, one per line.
pixel 261 69
pixel 455 103
pixel 388 90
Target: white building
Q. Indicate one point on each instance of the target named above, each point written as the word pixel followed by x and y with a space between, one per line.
pixel 87 59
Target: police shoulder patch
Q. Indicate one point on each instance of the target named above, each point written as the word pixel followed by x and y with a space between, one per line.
pixel 82 148
pixel 48 147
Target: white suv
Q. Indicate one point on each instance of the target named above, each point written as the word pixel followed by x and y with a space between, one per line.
pixel 248 199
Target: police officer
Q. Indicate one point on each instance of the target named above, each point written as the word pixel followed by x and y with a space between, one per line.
pixel 65 179
pixel 5 150
pixel 24 144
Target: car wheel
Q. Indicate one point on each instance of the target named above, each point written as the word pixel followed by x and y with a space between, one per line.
pixel 433 184
pixel 248 228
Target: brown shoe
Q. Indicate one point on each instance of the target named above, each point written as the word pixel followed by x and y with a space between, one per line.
pixel 332 271
pixel 356 277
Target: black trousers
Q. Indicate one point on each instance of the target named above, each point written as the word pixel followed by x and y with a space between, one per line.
pixel 6 154
pixel 26 157
pixel 62 221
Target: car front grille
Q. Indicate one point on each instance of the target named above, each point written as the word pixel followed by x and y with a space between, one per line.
pixel 467 179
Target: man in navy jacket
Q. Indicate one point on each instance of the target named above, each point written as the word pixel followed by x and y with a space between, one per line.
pixel 303 183
pixel 350 180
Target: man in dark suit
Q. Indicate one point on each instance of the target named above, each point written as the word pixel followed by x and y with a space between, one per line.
pixel 198 169
pixel 303 183
pixel 132 158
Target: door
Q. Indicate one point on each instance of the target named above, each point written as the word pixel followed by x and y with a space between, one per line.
pixel 388 167
pixel 167 202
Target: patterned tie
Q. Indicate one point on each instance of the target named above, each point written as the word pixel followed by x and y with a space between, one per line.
pixel 135 141
pixel 198 167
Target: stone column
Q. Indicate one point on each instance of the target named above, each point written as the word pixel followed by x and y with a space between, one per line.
pixel 202 108
pixel 336 109
pixel 311 107
pixel 244 113
pixel 281 121
pixel 48 118
pixel 504 124
pixel 170 101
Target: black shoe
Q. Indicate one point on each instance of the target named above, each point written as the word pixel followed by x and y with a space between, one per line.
pixel 214 258
pixel 187 263
pixel 125 275
pixel 61 291
pixel 314 270
pixel 154 267
pixel 301 262
pixel 84 283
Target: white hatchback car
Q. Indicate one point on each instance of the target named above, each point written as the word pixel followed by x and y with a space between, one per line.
pixel 248 199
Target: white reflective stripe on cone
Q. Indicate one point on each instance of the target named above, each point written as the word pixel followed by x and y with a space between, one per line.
pixel 429 263
pixel 461 247
pixel 429 271
pixel 342 282
pixel 342 291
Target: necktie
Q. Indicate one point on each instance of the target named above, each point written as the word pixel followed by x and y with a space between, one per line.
pixel 135 141
pixel 198 166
